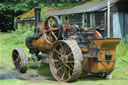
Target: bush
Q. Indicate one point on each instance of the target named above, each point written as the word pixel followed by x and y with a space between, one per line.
pixel 18 37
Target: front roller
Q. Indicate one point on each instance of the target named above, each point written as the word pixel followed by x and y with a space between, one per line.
pixel 65 60
pixel 20 60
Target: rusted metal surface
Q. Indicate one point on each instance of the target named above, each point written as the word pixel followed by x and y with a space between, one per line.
pixel 97 35
pixel 71 50
pixel 100 64
pixel 41 25
pixel 51 33
pixel 42 44
pixel 94 53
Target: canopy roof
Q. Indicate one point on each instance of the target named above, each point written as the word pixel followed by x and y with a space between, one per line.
pixel 89 6
pixel 31 13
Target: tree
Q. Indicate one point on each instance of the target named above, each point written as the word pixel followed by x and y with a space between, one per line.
pixel 12 8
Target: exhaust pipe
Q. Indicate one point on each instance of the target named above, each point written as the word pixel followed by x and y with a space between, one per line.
pixel 37 16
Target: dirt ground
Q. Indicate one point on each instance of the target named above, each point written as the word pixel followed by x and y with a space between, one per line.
pixel 25 76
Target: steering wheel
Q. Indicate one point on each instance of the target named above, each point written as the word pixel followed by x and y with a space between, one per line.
pixel 52 29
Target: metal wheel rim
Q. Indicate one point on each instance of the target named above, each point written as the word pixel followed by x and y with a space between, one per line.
pixel 65 71
pixel 20 60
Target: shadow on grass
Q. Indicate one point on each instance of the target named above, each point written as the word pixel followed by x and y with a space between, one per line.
pixel 44 70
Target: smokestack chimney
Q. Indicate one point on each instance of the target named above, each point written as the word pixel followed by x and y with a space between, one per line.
pixel 37 15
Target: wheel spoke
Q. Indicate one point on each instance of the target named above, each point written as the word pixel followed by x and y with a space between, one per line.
pixel 69 74
pixel 61 47
pixel 49 30
pixel 69 61
pixel 54 36
pixel 49 38
pixel 67 50
pixel 59 68
pixel 52 23
pixel 65 69
pixel 62 77
pixel 68 67
pixel 55 61
pixel 50 34
pixel 72 65
pixel 16 54
pixel 69 54
pixel 49 24
pixel 57 51
pixel 54 29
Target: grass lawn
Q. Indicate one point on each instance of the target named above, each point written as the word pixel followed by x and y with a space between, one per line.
pixel 9 41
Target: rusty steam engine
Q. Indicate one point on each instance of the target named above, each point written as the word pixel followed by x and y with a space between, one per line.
pixel 69 51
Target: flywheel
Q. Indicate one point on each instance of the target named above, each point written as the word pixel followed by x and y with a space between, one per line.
pixel 65 60
pixel 52 29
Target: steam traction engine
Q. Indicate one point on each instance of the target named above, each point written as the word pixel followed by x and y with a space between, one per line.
pixel 69 51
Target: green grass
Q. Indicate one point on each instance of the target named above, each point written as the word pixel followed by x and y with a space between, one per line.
pixel 9 41
pixel 16 39
pixel 12 82
pixel 122 53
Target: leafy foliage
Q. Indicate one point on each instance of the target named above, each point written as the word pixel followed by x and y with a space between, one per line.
pixel 19 36
pixel 44 13
pixel 13 8
pixel 25 5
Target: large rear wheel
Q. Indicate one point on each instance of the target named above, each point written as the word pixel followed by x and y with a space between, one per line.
pixel 20 60
pixel 65 60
